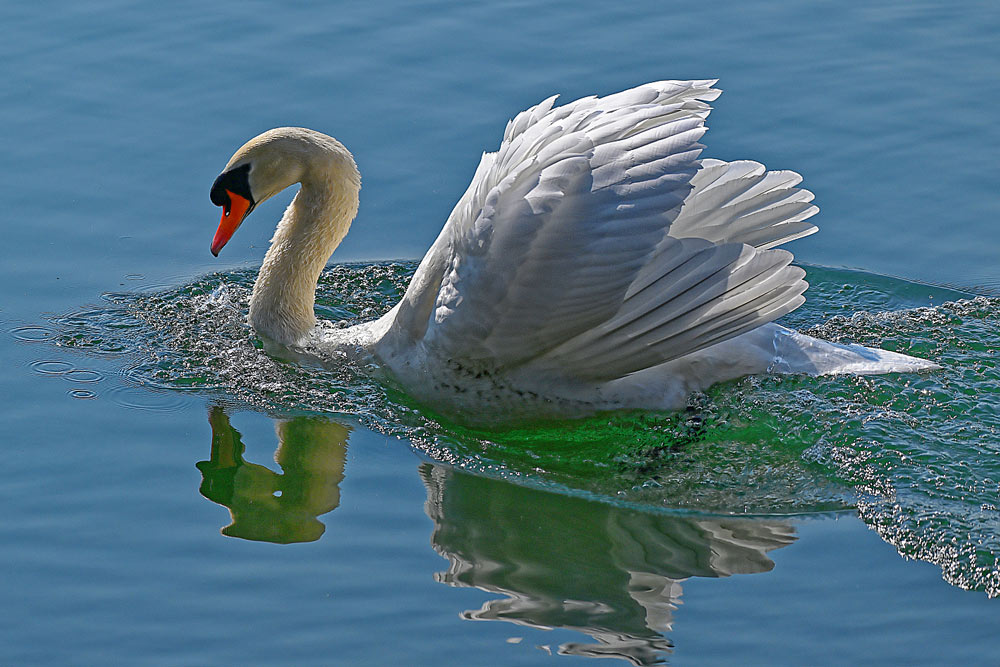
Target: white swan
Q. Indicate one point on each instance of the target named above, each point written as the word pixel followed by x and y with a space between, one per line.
pixel 595 262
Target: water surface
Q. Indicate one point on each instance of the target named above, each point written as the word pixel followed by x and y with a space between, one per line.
pixel 173 495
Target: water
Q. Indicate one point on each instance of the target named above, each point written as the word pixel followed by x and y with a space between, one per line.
pixel 763 523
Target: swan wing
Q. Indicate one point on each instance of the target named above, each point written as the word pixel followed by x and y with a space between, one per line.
pixel 743 202
pixel 558 253
pixel 692 294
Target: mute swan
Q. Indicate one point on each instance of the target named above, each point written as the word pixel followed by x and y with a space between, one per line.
pixel 595 262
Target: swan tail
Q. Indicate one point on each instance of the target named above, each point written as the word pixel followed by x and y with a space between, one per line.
pixel 691 295
pixel 796 352
pixel 742 202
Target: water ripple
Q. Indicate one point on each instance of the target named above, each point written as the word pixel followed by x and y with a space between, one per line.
pixel 82 393
pixel 143 399
pixel 32 334
pixel 81 375
pixel 46 367
pixel 916 454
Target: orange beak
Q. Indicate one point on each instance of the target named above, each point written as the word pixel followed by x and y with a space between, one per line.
pixel 232 215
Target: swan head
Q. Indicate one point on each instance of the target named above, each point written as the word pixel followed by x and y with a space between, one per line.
pixel 266 165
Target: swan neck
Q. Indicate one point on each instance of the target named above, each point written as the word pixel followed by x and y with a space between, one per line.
pixel 284 295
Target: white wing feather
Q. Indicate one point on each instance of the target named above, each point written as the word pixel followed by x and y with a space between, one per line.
pixel 558 254
pixel 743 202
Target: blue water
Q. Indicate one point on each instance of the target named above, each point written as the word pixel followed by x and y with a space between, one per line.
pixel 129 441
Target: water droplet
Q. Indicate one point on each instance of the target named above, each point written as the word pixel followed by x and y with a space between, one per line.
pixel 82 393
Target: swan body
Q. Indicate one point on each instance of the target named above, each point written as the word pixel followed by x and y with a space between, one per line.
pixel 595 262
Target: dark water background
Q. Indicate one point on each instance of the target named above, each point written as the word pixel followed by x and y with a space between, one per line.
pixel 134 403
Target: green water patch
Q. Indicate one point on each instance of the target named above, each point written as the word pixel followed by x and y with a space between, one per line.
pixel 918 455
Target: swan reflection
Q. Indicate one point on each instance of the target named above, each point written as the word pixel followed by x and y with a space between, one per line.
pixel 268 506
pixel 609 572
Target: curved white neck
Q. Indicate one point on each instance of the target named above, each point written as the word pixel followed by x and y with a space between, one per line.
pixel 281 307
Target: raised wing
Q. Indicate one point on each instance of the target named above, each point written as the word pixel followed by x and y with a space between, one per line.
pixel 558 252
pixel 742 202
pixel 692 294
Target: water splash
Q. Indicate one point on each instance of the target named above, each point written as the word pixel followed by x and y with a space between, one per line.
pixel 918 455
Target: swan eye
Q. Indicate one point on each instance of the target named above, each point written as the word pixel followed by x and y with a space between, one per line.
pixel 234 181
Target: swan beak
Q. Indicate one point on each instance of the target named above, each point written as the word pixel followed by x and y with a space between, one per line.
pixel 233 214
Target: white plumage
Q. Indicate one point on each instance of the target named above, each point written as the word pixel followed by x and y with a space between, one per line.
pixel 595 262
